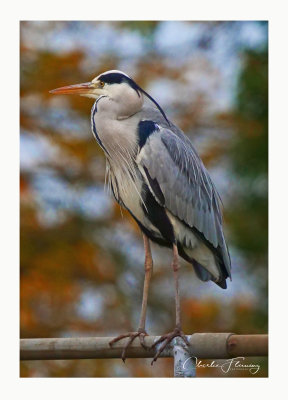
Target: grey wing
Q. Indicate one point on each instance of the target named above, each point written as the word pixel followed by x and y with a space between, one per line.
pixel 186 189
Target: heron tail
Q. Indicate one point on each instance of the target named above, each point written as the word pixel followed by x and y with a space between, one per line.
pixel 205 275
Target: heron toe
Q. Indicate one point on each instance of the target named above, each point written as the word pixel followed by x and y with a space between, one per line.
pixel 141 333
pixel 166 339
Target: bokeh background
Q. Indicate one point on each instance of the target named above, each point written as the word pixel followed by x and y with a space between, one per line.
pixel 81 259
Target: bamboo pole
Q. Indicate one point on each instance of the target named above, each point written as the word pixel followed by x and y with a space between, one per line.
pixel 203 345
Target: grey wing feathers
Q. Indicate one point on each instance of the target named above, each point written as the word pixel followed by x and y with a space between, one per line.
pixel 189 192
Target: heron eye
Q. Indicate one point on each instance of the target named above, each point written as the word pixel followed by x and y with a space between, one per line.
pixel 102 84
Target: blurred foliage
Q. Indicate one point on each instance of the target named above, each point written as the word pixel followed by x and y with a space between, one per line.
pixel 144 27
pixel 81 256
pixel 250 157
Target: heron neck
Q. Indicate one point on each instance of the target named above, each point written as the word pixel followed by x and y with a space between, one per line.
pixel 119 108
pixel 118 136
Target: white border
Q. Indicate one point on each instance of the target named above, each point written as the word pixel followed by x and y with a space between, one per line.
pixel 235 388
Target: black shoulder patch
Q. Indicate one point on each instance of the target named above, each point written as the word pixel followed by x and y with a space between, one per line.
pixel 145 129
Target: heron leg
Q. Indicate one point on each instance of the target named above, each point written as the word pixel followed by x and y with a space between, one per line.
pixel 175 266
pixel 148 273
pixel 168 337
pixel 141 332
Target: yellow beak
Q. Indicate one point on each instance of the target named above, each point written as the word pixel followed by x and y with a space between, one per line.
pixel 80 88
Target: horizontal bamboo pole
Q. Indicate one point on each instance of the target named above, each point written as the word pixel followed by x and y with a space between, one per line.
pixel 203 345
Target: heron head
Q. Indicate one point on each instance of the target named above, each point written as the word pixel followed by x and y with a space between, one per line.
pixel 114 84
pixel 117 86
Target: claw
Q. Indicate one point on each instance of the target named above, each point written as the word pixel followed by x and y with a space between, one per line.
pixel 166 339
pixel 141 333
pixel 141 337
pixel 118 338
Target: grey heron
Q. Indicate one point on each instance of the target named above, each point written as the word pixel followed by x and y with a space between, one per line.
pixel 156 174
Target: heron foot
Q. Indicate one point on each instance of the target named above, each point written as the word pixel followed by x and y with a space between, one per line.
pixel 166 339
pixel 141 333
